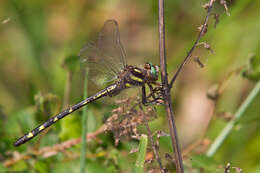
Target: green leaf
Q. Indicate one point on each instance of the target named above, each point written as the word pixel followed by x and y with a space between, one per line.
pixel 252 72
pixel 70 127
pixel 202 161
pixel 257 169
pixel 91 121
pixel 69 166
pixel 3 169
pixel 46 105
pixel 71 63
pixel 41 167
pixel 139 165
pixel 19 166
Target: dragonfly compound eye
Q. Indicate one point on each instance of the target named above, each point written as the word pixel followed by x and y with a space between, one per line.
pixel 154 71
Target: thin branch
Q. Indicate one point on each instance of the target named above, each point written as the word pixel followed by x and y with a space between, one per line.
pixel 201 33
pixel 154 146
pixel 166 90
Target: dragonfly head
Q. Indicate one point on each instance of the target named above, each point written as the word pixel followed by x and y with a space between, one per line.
pixel 153 70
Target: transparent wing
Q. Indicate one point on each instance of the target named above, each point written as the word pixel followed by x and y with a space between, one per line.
pixel 105 58
pixel 100 70
pixel 109 43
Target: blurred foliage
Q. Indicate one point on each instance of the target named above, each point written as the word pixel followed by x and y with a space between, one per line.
pixel 39 38
pixel 253 68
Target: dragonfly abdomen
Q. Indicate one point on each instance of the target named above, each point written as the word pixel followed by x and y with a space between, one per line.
pixel 63 114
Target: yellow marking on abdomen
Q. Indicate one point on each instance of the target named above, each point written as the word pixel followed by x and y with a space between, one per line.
pixel 55 119
pixel 100 94
pixel 41 127
pixel 70 110
pixel 111 87
pixel 85 102
pixel 103 93
pixel 136 78
pixel 30 135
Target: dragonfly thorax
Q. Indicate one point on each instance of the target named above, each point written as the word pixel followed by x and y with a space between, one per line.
pixel 132 76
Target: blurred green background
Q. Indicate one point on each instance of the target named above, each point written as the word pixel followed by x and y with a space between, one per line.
pixel 37 36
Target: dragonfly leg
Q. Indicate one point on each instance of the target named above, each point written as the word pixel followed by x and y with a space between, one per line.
pixel 151 90
pixel 144 98
pixel 155 99
pixel 156 94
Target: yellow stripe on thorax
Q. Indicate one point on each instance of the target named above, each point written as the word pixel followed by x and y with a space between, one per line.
pixel 137 70
pixel 136 78
pixel 128 85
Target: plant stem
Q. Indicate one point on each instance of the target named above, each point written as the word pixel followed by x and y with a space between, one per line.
pixel 139 165
pixel 226 131
pixel 166 90
pixel 155 148
pixel 84 128
pixel 194 45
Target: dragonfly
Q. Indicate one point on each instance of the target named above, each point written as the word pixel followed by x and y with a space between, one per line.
pixel 109 53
